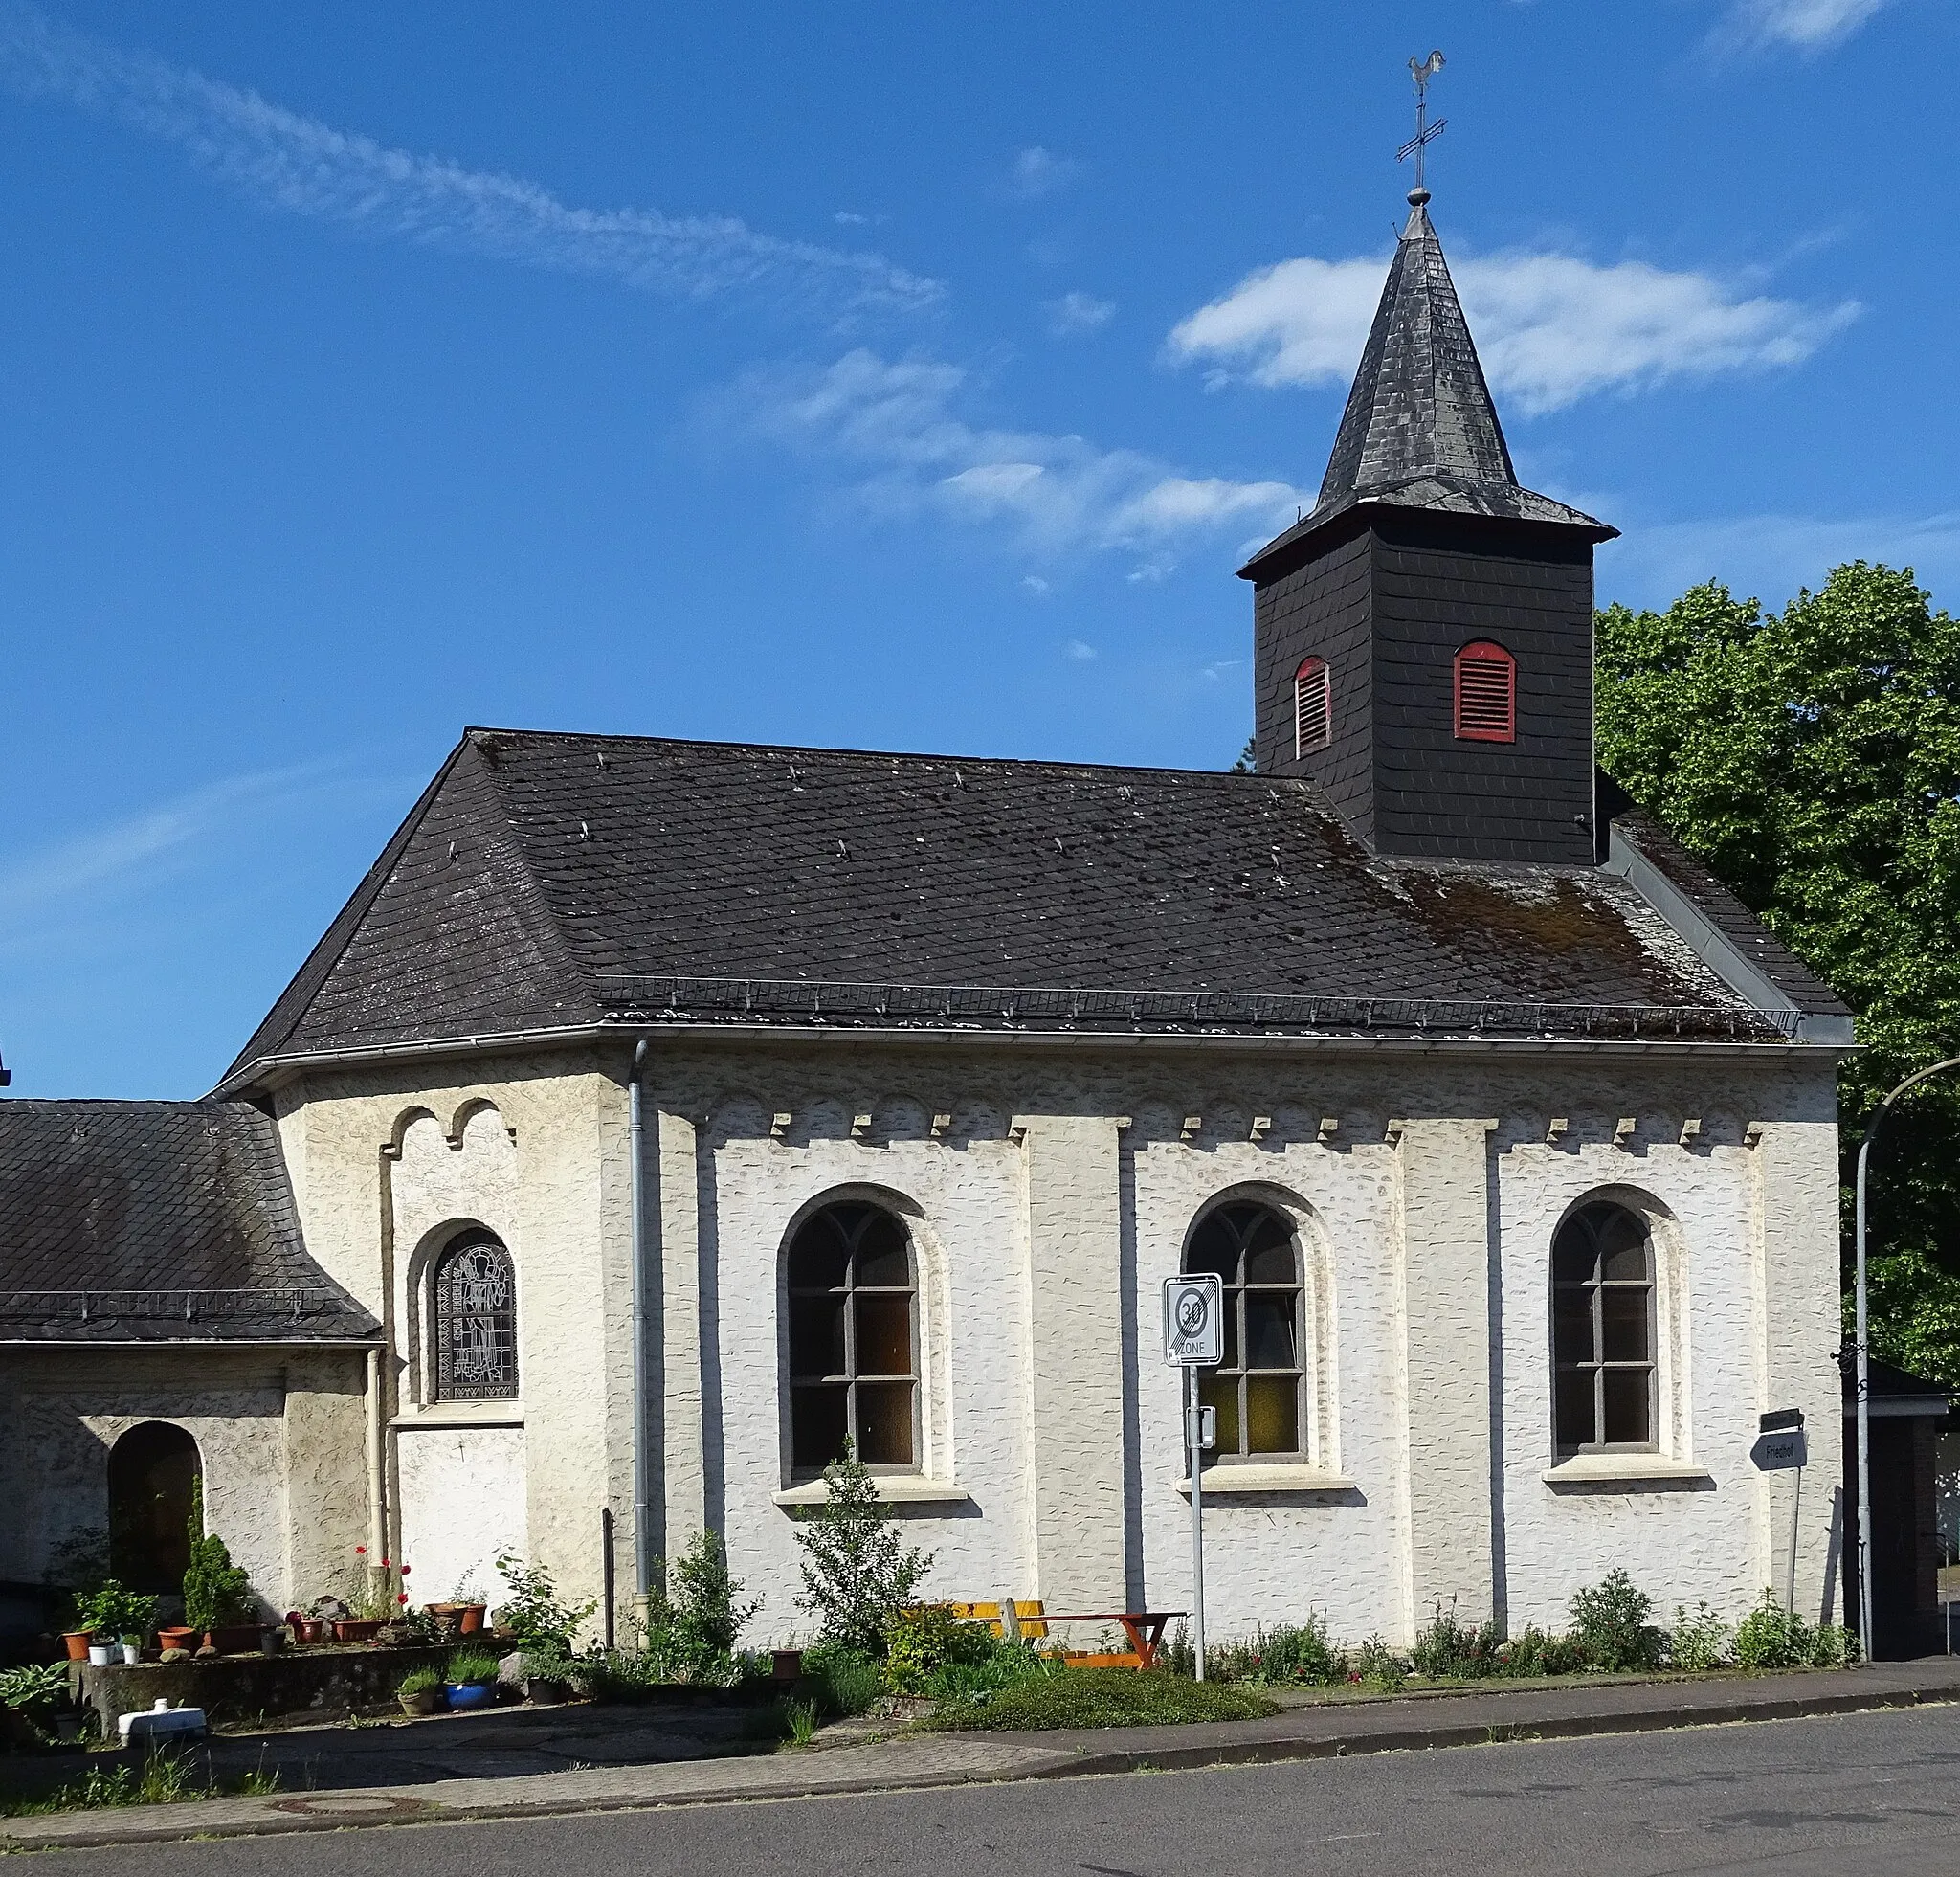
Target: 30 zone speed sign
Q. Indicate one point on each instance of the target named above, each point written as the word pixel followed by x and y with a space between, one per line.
pixel 1194 1320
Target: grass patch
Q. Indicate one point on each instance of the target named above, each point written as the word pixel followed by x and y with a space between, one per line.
pixel 1100 1697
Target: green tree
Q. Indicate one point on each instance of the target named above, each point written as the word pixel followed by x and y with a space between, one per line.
pixel 1812 759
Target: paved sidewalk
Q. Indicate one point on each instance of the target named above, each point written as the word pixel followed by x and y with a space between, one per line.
pixel 1314 1730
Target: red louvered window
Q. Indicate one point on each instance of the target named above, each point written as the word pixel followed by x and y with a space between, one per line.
pixel 1486 693
pixel 1313 706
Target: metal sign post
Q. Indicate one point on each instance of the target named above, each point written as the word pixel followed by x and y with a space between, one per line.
pixel 1780 1447
pixel 1195 1339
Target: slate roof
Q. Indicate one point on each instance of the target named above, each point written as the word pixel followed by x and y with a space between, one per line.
pixel 155 1222
pixel 548 880
pixel 1421 430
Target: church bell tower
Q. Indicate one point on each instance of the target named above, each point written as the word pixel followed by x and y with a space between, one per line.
pixel 1423 640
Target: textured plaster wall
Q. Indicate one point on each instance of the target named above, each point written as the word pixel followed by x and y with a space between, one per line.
pixel 272 1428
pixel 1048 1194
pixel 387 1164
pixel 462 1496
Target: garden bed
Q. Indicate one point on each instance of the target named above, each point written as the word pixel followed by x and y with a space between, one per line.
pixel 238 1689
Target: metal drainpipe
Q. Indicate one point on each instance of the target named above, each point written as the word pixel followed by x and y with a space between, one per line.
pixel 377 1463
pixel 642 1485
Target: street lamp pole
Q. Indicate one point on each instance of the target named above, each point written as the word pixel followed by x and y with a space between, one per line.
pixel 1861 1351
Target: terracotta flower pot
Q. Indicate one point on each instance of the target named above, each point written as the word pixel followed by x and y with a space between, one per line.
pixel 356 1629
pixel 472 1618
pixel 178 1637
pixel 75 1642
pixel 236 1637
pixel 785 1665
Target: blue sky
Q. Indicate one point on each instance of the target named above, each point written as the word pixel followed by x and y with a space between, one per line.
pixel 892 375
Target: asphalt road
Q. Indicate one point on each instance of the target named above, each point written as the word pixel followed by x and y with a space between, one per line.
pixel 1865 1793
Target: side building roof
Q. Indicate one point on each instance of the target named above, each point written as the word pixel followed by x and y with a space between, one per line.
pixel 156 1223
pixel 551 882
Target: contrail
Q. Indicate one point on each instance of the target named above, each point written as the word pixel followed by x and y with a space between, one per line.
pixel 296 164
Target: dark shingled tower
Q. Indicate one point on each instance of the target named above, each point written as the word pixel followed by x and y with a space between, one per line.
pixel 1423 544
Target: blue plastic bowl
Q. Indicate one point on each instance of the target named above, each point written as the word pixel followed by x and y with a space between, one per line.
pixel 470 1694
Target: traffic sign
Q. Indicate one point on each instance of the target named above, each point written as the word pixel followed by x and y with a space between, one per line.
pixel 1194 1320
pixel 1775 1453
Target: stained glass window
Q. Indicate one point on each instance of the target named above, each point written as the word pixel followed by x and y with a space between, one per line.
pixel 476 1322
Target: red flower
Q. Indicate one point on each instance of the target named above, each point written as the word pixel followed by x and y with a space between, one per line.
pixel 360 1550
pixel 405 1569
pixel 403 1597
pixel 384 1564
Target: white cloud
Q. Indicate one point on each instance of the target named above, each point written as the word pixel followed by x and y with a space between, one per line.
pixel 1551 329
pixel 1771 556
pixel 1077 312
pixel 1808 25
pixel 1080 651
pixel 1055 494
pixel 108 861
pixel 1035 584
pixel 1037 172
pixel 298 165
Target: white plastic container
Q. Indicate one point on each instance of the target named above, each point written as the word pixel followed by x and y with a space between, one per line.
pixel 132 1653
pixel 98 1654
pixel 160 1722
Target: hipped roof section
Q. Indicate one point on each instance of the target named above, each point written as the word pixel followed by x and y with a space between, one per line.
pixel 549 881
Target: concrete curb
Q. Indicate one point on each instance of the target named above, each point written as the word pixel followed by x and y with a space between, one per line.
pixel 1021 1756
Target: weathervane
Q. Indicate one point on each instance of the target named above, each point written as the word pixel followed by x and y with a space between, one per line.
pixel 1422 70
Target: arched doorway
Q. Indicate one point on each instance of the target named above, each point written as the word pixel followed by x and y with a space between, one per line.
pixel 153 1472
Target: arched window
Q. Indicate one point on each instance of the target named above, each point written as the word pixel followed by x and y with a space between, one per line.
pixel 854 1370
pixel 1486 693
pixel 153 1472
pixel 1313 706
pixel 1602 1330
pixel 475 1291
pixel 1259 1389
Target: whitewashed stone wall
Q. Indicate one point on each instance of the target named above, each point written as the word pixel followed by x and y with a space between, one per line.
pixel 1049 1191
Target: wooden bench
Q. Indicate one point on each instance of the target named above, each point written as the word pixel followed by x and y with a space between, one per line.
pixel 1145 1630
pixel 1027 1617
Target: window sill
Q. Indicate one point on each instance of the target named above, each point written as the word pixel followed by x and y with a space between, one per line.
pixel 462 1414
pixel 1628 1468
pixel 894 1488
pixel 1230 1482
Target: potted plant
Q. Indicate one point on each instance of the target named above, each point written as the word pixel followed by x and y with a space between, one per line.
pixel 548 1674
pixel 471 1679
pixel 115 1619
pixel 420 1691
pixel 218 1603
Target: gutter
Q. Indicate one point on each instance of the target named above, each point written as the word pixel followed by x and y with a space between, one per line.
pixel 273 1071
pixel 1716 948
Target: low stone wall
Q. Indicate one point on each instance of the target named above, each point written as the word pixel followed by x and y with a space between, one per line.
pixel 236 1691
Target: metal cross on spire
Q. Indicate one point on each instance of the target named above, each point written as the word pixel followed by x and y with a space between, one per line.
pixel 1422 70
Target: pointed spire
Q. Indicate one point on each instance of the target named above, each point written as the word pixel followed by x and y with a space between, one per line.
pixel 1421 430
pixel 1419 409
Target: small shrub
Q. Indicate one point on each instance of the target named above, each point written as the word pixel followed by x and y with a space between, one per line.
pixel 420 1681
pixel 922 1643
pixel 534 1612
pixel 856 1573
pixel 1534 1651
pixel 1377 1667
pixel 1767 1637
pixel 847 1681
pixel 707 1616
pixel 1102 1697
pixel 471 1667
pixel 216 1592
pixel 1697 1641
pixel 1611 1624
pixel 1444 1647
